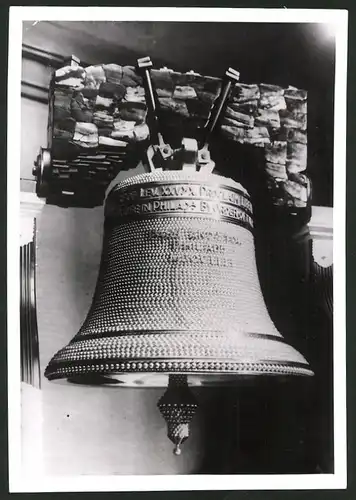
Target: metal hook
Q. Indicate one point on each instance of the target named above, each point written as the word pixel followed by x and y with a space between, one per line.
pixel 159 151
pixel 231 76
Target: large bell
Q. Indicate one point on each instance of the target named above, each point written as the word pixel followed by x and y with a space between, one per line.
pixel 178 290
pixel 177 294
pixel 178 301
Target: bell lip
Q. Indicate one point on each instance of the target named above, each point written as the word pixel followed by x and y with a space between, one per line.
pixel 152 379
pixel 228 365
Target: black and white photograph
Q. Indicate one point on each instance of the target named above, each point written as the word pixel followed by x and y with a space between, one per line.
pixel 178 248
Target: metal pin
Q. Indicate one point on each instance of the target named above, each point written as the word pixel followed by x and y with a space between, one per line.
pixel 144 64
pixel 231 76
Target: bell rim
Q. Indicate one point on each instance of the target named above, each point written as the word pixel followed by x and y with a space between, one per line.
pixel 173 351
pixel 213 368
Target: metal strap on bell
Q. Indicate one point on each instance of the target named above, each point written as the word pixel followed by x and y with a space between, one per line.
pixel 178 300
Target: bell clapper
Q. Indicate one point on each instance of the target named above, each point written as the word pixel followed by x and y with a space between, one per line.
pixel 177 450
pixel 177 406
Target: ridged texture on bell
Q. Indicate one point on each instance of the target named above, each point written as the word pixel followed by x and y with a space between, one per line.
pixel 178 290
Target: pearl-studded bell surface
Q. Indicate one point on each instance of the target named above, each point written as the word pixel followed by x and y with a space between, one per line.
pixel 178 290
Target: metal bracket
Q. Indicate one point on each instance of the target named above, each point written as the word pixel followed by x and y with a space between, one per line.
pixel 42 170
pixel 204 160
pixel 156 156
pixel 159 151
pixel 231 77
pixel 189 155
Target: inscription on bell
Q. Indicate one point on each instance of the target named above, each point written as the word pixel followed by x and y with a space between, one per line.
pixel 226 196
pixel 192 190
pixel 170 190
pixel 176 199
pixel 170 206
pixel 200 258
pixel 195 246
pixel 194 235
pixel 177 206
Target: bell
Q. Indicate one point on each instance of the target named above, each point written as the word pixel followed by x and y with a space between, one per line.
pixel 177 293
pixel 178 300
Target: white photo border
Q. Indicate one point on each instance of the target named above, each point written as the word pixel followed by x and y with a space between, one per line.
pixel 338 480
